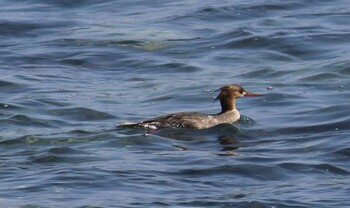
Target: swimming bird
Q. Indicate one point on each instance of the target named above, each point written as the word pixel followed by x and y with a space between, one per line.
pixel 193 120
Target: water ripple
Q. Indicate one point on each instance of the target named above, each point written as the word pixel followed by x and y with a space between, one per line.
pixel 69 78
pixel 80 114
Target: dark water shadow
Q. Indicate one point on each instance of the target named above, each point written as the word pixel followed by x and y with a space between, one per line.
pixel 222 139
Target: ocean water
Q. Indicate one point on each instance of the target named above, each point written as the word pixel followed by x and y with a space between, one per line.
pixel 72 70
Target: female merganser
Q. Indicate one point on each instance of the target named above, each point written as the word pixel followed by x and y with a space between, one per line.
pixel 194 120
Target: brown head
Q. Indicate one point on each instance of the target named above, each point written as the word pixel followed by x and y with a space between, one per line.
pixel 228 95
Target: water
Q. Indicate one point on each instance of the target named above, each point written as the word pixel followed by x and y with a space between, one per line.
pixel 72 70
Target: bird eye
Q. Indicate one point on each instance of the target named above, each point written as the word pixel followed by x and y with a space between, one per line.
pixel 241 91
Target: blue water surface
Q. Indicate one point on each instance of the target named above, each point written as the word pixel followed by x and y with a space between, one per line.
pixel 72 70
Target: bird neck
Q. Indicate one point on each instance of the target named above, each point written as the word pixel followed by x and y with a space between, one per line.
pixel 227 105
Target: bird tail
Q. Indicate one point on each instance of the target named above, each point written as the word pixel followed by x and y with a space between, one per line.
pixel 128 124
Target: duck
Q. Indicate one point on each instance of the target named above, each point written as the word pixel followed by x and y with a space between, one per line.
pixel 195 120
